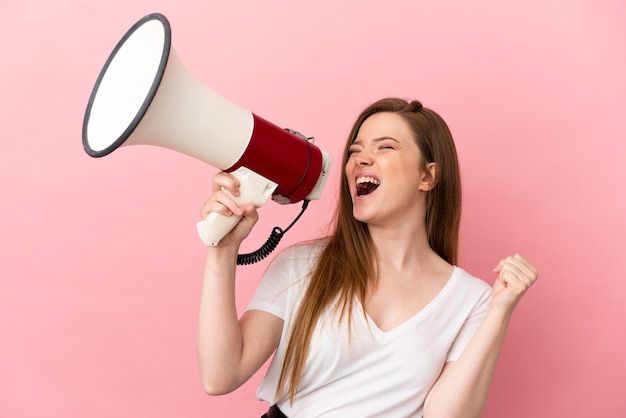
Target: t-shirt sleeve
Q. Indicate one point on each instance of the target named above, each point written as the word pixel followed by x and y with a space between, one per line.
pixel 471 324
pixel 283 281
pixel 271 292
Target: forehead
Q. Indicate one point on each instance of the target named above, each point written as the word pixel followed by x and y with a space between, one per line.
pixel 384 125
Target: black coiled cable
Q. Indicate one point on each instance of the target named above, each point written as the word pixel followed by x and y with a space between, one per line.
pixel 271 243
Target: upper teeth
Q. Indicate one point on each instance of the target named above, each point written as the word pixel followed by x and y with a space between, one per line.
pixel 372 180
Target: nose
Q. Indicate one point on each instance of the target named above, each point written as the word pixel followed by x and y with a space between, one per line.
pixel 363 159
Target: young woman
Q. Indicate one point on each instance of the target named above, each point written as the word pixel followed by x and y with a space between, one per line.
pixel 375 320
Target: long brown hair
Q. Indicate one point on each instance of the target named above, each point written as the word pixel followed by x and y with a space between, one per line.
pixel 342 271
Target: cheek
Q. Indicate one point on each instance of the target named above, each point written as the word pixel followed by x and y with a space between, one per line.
pixel 407 177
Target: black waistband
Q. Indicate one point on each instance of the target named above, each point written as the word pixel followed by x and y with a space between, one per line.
pixel 274 412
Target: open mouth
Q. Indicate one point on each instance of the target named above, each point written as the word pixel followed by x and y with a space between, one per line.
pixel 366 185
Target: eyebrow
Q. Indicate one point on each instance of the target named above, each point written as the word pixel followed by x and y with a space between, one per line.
pixel 382 138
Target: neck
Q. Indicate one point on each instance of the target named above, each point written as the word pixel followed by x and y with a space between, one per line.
pixel 402 248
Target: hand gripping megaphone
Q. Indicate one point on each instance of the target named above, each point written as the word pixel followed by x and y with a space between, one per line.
pixel 144 95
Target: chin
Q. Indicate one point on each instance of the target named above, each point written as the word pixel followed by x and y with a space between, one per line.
pixel 361 216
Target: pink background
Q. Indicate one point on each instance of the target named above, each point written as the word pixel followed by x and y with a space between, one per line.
pixel 100 265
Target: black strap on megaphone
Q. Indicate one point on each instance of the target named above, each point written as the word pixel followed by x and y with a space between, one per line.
pixel 270 244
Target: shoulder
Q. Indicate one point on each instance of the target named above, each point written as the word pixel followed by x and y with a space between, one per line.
pixel 304 252
pixel 295 263
pixel 470 284
pixel 285 279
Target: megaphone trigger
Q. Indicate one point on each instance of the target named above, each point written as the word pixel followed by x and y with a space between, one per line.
pixel 253 188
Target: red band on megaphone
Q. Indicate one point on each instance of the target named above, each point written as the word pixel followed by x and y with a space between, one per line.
pixel 288 160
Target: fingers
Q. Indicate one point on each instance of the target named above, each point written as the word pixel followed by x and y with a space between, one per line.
pixel 223 201
pixel 515 276
pixel 518 261
pixel 226 181
pixel 517 272
pixel 220 203
pixel 224 187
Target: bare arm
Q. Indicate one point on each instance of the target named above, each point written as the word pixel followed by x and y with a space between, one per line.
pixel 230 350
pixel 463 386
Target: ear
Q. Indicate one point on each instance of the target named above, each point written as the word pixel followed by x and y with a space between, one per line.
pixel 430 176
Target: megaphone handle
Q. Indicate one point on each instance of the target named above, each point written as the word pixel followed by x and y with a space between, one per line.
pixel 253 188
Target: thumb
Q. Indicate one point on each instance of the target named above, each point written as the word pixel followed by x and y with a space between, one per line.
pixel 497 269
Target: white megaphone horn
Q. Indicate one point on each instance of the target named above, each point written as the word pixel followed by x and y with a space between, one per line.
pixel 144 95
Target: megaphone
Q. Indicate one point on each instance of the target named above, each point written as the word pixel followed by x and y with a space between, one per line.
pixel 145 96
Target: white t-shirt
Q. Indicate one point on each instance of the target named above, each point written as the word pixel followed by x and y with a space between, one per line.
pixel 371 373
